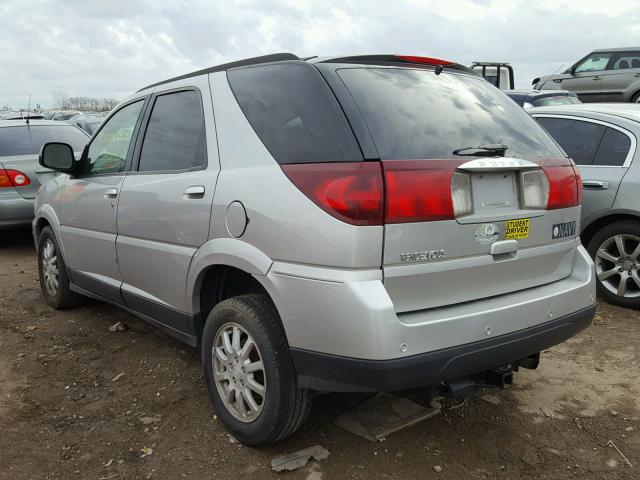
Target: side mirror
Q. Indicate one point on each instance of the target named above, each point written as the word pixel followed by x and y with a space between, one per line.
pixel 57 156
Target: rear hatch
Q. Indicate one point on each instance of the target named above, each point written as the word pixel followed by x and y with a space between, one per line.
pixel 479 201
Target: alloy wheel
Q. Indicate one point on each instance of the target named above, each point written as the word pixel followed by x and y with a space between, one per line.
pixel 617 265
pixel 50 273
pixel 239 373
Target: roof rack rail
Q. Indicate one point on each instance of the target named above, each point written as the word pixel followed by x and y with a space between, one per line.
pixel 274 57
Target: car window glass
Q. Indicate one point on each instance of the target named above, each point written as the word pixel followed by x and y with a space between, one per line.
pixel 626 61
pixel 294 113
pixel 28 140
pixel 415 114
pixel 108 151
pixel 594 62
pixel 555 100
pixel 578 139
pixel 175 136
pixel 613 149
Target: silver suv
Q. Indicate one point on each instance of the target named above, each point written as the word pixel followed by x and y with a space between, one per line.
pixel 352 224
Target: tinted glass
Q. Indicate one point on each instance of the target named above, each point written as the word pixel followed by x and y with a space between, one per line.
pixel 627 60
pixel 294 113
pixel 579 139
pixel 557 100
pixel 174 139
pixel 594 62
pixel 416 114
pixel 109 148
pixel 25 140
pixel 613 149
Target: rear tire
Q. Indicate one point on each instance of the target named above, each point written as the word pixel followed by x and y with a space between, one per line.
pixel 260 346
pixel 618 272
pixel 52 272
pixel 635 98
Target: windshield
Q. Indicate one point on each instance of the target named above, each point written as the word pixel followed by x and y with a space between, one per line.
pixel 416 114
pixel 28 140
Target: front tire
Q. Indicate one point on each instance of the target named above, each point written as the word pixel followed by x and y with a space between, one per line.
pixel 249 372
pixel 52 272
pixel 615 250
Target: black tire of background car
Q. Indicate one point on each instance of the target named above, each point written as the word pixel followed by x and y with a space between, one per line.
pixel 630 227
pixel 286 406
pixel 635 97
pixel 65 297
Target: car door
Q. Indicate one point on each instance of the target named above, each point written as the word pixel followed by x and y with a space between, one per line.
pixel 165 205
pixel 89 200
pixel 603 152
pixel 617 82
pixel 586 78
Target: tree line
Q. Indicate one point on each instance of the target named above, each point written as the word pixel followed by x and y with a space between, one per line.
pixel 64 101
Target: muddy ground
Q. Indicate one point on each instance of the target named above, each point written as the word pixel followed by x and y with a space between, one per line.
pixel 72 394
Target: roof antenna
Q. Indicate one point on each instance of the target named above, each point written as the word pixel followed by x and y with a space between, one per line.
pixel 28 109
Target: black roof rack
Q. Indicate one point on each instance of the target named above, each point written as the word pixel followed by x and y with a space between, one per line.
pixel 275 57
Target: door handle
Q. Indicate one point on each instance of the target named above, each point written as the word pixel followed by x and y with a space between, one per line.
pixel 111 193
pixel 557 80
pixel 594 185
pixel 195 191
pixel 595 78
pixel 636 74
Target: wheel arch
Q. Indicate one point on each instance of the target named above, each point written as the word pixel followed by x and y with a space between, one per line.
pixel 608 217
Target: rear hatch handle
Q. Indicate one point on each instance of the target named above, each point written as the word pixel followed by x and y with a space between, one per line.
pixel 504 247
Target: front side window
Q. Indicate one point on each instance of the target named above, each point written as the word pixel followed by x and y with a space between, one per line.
pixel 108 151
pixel 594 62
pixel 579 139
pixel 416 114
pixel 613 149
pixel 175 136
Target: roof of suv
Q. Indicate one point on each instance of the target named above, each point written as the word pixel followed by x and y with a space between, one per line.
pixel 630 111
pixel 282 57
pixel 624 49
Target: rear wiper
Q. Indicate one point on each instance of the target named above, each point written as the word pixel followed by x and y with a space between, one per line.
pixel 493 150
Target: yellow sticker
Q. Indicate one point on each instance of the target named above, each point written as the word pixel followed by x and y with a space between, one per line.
pixel 517 229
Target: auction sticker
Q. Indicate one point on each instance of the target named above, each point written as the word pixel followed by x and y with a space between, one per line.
pixel 517 229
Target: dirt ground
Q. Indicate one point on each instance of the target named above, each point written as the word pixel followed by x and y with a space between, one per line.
pixel 72 394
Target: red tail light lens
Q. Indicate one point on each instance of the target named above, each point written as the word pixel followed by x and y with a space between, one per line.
pixel 424 60
pixel 418 190
pixel 351 192
pixel 564 186
pixel 13 178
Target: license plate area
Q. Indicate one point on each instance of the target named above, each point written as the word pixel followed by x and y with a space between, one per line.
pixel 494 193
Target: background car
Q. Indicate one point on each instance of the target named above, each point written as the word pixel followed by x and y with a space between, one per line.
pixel 542 98
pixel 21 116
pixel 611 75
pixel 602 140
pixel 88 122
pixel 65 114
pixel 20 173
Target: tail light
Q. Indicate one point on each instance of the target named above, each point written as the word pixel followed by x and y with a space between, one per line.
pixel 351 192
pixel 461 194
pixel 13 178
pixel 564 186
pixel 535 189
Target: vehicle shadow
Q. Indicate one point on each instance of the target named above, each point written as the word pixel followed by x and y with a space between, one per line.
pixel 16 238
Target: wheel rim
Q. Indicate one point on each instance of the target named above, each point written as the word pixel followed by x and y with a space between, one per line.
pixel 50 274
pixel 617 265
pixel 238 372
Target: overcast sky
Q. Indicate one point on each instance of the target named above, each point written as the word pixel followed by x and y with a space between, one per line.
pixel 111 48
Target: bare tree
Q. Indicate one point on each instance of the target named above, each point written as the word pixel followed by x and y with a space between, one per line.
pixel 65 102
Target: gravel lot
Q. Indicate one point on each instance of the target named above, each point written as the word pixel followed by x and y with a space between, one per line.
pixel 72 394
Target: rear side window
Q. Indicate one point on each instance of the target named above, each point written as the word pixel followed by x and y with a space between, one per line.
pixel 28 140
pixel 416 114
pixel 294 113
pixel 613 149
pixel 579 139
pixel 175 136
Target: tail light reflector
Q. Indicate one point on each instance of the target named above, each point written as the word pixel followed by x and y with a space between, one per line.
pixel 535 189
pixel 13 178
pixel 418 190
pixel 461 194
pixel 352 192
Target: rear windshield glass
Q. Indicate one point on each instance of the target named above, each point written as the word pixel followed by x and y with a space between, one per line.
pixel 416 114
pixel 294 113
pixel 28 140
pixel 557 100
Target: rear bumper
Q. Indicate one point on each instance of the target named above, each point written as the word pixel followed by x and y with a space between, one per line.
pixel 15 211
pixel 342 374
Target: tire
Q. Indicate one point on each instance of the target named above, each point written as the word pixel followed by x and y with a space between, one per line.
pixel 635 98
pixel 56 292
pixel 283 406
pixel 614 268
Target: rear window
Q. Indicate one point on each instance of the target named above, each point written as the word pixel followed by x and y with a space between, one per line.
pixel 555 100
pixel 28 140
pixel 416 114
pixel 294 113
